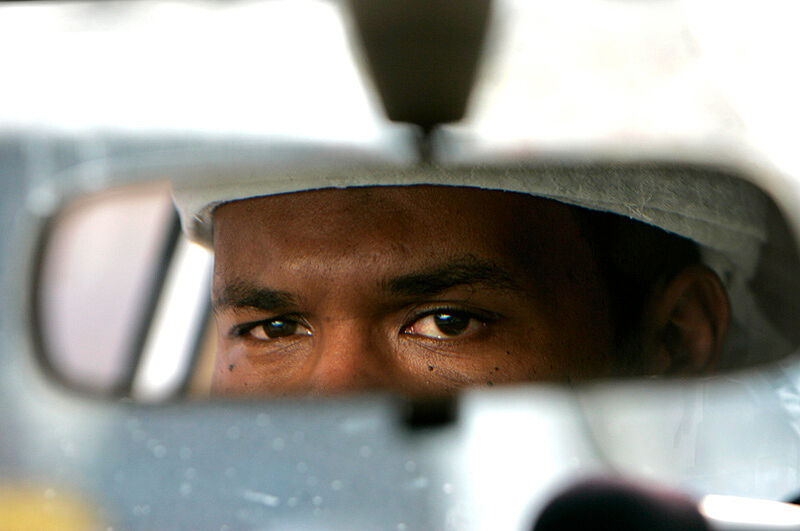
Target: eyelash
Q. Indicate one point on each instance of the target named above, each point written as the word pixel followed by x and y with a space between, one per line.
pixel 242 330
pixel 483 317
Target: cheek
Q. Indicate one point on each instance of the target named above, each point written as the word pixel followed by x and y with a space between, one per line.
pixel 535 356
pixel 579 317
pixel 567 334
pixel 238 374
pixel 555 350
pixel 583 336
pixel 229 372
pixel 572 324
pixel 517 350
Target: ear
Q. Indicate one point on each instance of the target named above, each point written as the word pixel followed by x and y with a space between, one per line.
pixel 684 323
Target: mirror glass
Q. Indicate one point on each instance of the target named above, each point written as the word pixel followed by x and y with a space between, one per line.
pixel 107 265
pixel 416 290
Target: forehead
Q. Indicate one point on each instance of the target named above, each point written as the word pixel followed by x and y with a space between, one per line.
pixel 388 226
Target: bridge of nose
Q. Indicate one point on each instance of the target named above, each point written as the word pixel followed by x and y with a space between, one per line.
pixel 352 355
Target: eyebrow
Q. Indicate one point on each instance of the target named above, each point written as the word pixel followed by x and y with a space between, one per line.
pixel 428 282
pixel 240 294
pixel 458 272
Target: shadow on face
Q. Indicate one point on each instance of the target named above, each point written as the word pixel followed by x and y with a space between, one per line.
pixel 416 290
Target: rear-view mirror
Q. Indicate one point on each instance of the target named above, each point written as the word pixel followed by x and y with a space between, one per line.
pixel 416 289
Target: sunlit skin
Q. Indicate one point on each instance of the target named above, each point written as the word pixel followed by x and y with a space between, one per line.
pixel 414 290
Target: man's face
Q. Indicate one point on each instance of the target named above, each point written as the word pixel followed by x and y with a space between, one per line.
pixel 418 290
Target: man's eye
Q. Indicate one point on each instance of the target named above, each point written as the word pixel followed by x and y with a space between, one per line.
pixel 275 329
pixel 444 325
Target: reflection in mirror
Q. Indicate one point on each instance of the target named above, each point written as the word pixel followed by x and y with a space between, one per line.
pixel 418 290
pixel 427 289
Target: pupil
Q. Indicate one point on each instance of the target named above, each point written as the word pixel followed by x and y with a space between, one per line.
pixel 279 328
pixel 449 324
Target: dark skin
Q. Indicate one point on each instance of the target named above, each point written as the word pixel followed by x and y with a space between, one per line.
pixel 415 290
